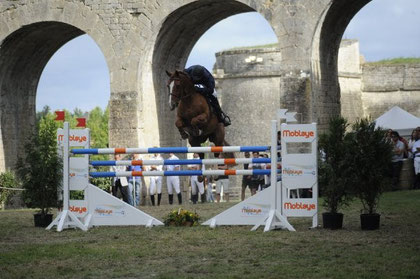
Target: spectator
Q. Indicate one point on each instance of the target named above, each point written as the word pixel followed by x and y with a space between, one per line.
pixel 222 181
pixel 246 179
pixel 120 183
pixel 172 182
pixel 209 194
pixel 416 154
pixel 196 186
pixel 267 176
pixel 156 181
pixel 411 142
pixel 405 142
pixel 397 159
pixel 256 180
pixel 135 183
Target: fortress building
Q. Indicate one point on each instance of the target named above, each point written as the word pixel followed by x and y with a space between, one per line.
pixel 249 82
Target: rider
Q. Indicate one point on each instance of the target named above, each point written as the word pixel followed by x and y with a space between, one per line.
pixel 204 83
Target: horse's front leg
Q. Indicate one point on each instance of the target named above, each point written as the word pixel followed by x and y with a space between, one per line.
pixel 200 121
pixel 180 125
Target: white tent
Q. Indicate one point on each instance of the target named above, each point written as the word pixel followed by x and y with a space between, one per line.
pixel 399 120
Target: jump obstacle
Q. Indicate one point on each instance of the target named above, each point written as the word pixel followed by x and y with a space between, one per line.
pixel 257 210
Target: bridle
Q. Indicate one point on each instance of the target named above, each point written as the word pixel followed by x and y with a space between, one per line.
pixel 176 81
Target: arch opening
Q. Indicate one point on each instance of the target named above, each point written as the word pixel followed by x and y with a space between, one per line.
pixel 178 34
pixel 326 44
pixel 23 56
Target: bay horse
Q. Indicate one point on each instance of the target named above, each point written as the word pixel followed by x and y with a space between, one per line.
pixel 194 118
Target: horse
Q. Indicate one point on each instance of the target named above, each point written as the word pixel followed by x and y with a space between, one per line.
pixel 194 118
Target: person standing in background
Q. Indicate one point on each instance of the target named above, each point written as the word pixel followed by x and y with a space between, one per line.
pixel 222 182
pixel 172 182
pixel 156 181
pixel 196 186
pixel 135 181
pixel 246 179
pixel 120 183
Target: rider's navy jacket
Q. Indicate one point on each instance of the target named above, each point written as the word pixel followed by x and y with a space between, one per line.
pixel 206 80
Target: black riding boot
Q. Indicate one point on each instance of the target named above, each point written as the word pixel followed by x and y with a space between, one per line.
pixel 152 199
pixel 171 199
pixel 203 198
pixel 221 116
pixel 159 198
pixel 179 198
pixel 194 198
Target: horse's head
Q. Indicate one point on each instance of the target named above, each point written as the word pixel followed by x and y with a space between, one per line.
pixel 176 84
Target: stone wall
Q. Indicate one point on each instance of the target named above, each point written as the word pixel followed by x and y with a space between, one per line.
pixel 350 78
pixel 385 86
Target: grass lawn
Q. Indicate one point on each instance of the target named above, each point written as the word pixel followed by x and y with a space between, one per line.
pixel 224 252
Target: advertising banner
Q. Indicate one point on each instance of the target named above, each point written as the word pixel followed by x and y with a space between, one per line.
pixel 299 170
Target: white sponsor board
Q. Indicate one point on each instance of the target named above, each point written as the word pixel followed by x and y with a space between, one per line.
pixel 299 171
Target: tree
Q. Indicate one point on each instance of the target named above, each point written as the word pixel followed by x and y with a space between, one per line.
pixel 41 170
pixel 370 160
pixel 335 178
pixel 98 125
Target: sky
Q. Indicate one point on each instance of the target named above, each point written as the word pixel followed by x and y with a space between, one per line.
pixel 77 75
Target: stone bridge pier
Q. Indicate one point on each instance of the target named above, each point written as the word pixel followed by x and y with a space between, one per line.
pixel 140 39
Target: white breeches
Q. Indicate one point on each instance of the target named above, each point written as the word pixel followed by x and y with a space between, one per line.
pixel 155 183
pixel 173 183
pixel 196 185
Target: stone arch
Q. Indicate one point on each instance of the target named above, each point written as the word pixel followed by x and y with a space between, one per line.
pixel 325 47
pixel 31 34
pixel 177 35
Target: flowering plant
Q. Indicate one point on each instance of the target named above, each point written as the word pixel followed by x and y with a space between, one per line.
pixel 182 217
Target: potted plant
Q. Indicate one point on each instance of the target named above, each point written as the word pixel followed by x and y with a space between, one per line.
pixel 181 217
pixel 41 171
pixel 334 172
pixel 371 158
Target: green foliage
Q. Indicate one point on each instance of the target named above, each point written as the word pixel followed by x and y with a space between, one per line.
pixel 334 170
pixel 396 61
pixel 370 160
pixel 102 182
pixel 98 125
pixel 97 122
pixel 41 169
pixel 7 180
pixel 181 217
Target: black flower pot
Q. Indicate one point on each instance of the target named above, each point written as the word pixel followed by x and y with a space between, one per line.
pixel 370 221
pixel 332 221
pixel 42 220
